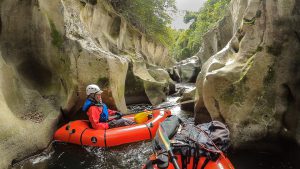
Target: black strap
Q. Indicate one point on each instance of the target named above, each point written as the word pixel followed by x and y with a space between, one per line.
pixel 196 156
pixel 205 163
pixel 185 153
pixel 189 154
pixel 149 131
pixel 81 135
pixel 184 160
pixel 105 138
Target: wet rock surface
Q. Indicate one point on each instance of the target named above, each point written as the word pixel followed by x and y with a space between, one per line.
pixel 186 71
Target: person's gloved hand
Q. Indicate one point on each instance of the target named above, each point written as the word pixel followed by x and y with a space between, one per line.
pixel 119 115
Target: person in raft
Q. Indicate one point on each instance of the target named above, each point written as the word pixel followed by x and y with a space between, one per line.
pixel 98 112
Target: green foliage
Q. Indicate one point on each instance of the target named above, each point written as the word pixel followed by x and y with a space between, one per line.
pixel 185 52
pixel 191 39
pixel 189 16
pixel 149 16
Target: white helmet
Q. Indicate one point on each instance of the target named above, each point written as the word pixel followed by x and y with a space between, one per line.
pixel 92 88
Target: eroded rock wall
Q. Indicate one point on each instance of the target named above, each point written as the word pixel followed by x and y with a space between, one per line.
pixel 253 82
pixel 50 51
pixel 32 78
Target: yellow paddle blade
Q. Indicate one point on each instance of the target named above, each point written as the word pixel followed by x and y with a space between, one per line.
pixel 142 117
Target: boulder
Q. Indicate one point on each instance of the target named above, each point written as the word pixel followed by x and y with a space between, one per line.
pixel 155 81
pixel 188 95
pixel 174 74
pixel 188 69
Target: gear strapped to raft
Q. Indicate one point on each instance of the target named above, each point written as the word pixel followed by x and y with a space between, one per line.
pixel 207 140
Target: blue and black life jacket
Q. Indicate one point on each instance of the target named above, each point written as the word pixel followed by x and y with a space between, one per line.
pixel 104 115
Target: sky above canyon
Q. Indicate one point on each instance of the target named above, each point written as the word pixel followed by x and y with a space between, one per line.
pixel 182 6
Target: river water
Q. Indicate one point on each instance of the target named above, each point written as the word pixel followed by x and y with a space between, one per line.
pixel 69 156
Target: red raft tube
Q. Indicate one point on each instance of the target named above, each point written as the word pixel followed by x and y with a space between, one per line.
pixel 79 132
pixel 221 163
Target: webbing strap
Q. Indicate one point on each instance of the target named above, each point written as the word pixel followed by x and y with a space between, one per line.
pixel 196 157
pixel 205 163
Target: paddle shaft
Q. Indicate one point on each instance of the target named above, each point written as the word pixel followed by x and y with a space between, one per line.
pixel 165 140
pixel 173 159
pixel 181 103
pixel 158 108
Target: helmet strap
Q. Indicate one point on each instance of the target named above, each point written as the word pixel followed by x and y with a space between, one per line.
pixel 93 98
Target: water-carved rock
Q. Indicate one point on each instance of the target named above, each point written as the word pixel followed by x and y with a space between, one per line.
pixel 251 83
pixel 50 51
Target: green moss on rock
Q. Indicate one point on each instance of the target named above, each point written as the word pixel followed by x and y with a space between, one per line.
pixel 228 95
pixel 259 49
pixel 249 21
pixel 57 38
pixel 235 93
pixel 245 69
